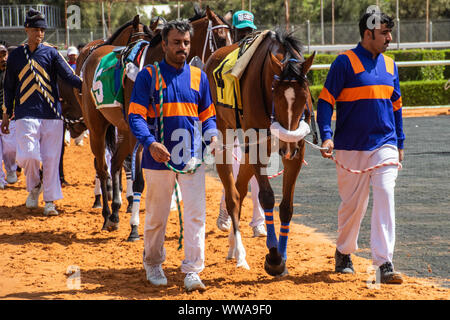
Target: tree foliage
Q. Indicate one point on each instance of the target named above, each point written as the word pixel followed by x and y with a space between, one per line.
pixel 267 13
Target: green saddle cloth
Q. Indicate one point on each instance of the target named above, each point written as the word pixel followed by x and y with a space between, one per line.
pixel 107 85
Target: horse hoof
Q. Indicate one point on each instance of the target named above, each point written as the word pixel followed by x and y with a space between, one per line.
pixel 274 264
pixel 111 225
pixel 134 235
pixel 130 204
pixel 132 238
pixel 243 264
pixel 97 202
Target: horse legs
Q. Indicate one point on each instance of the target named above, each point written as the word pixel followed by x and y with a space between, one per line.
pixel 116 167
pixel 236 248
pixel 291 171
pixel 274 263
pixel 138 187
pixel 102 172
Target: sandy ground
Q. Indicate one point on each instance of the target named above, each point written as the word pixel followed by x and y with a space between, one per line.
pixel 39 254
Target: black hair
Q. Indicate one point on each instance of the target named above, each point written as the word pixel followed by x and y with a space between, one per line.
pixel 182 25
pixel 376 17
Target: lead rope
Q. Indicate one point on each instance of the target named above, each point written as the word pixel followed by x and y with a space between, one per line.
pixel 161 133
pixel 384 164
pixel 44 92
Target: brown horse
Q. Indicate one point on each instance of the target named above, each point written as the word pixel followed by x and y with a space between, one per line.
pixel 210 33
pixel 129 32
pixel 98 120
pixel 97 123
pixel 275 95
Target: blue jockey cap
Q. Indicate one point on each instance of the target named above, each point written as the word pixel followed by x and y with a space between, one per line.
pixel 243 19
pixel 35 19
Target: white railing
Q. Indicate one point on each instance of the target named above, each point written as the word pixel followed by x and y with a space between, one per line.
pixel 392 46
pixel 399 64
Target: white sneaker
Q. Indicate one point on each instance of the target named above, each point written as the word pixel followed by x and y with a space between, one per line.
pixel 223 220
pixel 11 177
pixel 259 231
pixel 155 275
pixel 2 185
pixel 49 209
pixel 33 198
pixel 192 282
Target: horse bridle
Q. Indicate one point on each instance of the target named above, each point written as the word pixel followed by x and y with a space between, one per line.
pixel 210 39
pixel 276 78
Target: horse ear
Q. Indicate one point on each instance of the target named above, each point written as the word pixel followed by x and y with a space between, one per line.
pixel 136 22
pixel 209 13
pixel 308 63
pixel 154 24
pixel 277 65
pixel 228 16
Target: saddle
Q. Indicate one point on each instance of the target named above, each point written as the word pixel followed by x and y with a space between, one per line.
pixel 227 78
pixel 107 87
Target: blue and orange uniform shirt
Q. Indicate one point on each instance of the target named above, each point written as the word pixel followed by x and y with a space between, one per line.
pixel 23 95
pixel 189 117
pixel 366 92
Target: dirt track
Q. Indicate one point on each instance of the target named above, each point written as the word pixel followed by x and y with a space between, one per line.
pixel 37 251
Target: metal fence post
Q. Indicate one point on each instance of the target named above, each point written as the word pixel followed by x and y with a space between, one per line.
pixel 431 31
pixel 308 28
pixel 398 33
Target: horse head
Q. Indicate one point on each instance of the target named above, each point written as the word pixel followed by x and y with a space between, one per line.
pixel 210 33
pixel 291 98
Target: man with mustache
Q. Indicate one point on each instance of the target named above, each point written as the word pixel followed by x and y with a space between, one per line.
pixel 31 94
pixel 364 85
pixel 188 118
pixel 7 141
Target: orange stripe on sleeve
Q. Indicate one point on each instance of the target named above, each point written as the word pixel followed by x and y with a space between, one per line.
pixel 207 113
pixel 354 60
pixel 327 96
pixel 397 104
pixel 138 109
pixel 196 75
pixel 389 62
pixel 366 92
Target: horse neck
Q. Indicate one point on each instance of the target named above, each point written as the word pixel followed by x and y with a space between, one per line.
pixel 263 75
pixel 200 27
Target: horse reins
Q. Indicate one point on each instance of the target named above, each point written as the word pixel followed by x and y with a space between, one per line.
pixel 211 39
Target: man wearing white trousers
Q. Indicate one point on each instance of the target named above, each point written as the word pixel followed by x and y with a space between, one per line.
pixel 31 94
pixel 188 118
pixel 364 85
pixel 7 141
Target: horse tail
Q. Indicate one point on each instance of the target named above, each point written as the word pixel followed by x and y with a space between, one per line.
pixel 110 138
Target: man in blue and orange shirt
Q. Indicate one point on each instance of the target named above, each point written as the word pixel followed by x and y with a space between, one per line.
pixel 363 83
pixel 188 117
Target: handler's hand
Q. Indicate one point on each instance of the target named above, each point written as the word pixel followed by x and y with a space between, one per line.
pixel 159 152
pixel 5 124
pixel 330 146
pixel 401 155
pixel 213 145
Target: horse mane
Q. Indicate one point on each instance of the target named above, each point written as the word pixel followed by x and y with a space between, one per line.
pixel 123 27
pixel 293 56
